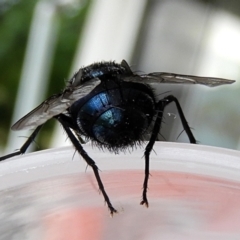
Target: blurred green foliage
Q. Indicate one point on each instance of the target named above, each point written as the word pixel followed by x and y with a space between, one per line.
pixel 15 21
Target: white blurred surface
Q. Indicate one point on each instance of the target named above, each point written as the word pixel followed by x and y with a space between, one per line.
pixel 194 193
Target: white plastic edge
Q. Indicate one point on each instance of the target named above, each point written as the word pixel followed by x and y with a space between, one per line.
pixel 167 156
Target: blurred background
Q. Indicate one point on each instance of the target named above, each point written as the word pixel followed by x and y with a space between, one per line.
pixel 42 43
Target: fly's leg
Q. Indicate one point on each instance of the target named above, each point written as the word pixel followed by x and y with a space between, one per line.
pixel 64 121
pixel 160 108
pixel 25 146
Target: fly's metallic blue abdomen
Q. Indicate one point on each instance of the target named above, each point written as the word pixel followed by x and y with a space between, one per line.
pixel 115 115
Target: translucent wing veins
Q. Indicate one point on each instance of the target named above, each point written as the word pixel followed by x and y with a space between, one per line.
pixel 54 105
pixel 161 77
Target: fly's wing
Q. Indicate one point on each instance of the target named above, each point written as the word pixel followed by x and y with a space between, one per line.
pixel 54 105
pixel 161 77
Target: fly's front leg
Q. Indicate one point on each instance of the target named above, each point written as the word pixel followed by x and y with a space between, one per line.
pixel 64 121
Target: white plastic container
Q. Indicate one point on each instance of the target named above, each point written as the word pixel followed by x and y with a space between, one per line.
pixel 194 193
